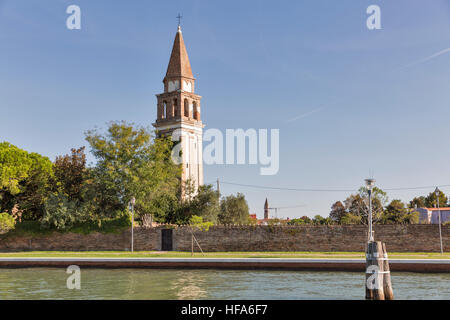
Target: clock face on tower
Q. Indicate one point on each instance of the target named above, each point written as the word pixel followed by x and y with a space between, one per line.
pixel 187 86
pixel 174 85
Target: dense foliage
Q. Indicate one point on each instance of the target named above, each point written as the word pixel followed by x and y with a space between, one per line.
pixel 7 222
pixel 234 210
pixel 131 164
pixel 354 209
pixel 26 180
pixel 70 195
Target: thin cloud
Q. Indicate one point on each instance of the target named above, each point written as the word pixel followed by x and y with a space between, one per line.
pixel 437 54
pixel 304 115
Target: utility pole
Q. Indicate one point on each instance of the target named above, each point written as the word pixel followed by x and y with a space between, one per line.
pixel 218 186
pixel 438 192
pixel 370 184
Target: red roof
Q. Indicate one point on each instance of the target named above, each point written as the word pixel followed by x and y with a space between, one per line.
pixel 436 209
pixel 179 65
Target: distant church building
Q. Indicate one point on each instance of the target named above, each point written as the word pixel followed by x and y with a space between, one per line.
pixel 179 109
pixel 266 210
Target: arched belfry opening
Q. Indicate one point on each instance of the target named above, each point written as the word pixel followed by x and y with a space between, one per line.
pixel 164 111
pixel 175 108
pixel 196 111
pixel 186 108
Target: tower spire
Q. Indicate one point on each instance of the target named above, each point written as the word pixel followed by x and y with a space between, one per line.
pixel 266 209
pixel 179 65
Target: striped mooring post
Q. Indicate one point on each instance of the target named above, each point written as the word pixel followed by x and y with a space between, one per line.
pixel 378 276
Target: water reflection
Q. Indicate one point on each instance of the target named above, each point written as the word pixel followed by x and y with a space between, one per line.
pixel 188 285
pixel 140 284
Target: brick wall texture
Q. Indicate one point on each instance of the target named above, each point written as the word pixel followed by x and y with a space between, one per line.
pixel 398 238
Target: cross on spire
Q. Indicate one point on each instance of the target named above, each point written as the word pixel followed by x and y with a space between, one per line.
pixel 179 19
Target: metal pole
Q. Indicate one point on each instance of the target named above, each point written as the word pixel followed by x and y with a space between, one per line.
pixel 132 229
pixel 132 203
pixel 439 212
pixel 370 216
pixel 370 184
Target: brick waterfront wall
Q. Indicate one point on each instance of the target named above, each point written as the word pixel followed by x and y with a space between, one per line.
pixel 398 238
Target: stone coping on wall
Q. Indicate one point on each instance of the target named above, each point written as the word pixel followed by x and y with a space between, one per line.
pixel 298 264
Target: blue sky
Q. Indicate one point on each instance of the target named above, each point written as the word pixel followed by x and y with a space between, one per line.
pixel 371 100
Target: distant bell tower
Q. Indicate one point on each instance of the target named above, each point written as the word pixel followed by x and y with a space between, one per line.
pixel 266 210
pixel 179 110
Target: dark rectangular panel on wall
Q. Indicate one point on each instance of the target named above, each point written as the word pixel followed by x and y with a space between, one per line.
pixel 166 239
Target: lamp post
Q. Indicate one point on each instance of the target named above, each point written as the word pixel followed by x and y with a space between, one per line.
pixel 438 192
pixel 370 183
pixel 132 203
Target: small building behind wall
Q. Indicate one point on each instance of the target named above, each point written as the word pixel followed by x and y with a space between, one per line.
pixel 431 215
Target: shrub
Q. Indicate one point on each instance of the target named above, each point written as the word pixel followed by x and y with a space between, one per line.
pixel 296 222
pixel 276 222
pixel 107 225
pixel 198 223
pixel 61 214
pixel 351 219
pixel 123 219
pixel 7 223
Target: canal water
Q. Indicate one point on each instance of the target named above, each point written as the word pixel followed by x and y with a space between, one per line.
pixel 50 283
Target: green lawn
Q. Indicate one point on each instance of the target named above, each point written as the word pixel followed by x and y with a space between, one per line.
pixel 175 254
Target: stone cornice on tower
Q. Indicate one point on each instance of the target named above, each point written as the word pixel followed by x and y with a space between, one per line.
pixel 179 65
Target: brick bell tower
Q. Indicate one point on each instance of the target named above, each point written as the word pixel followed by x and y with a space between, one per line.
pixel 179 111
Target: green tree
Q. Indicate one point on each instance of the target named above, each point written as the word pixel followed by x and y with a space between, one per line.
pixel 307 220
pixel 413 217
pixel 296 222
pixel 431 200
pixel 36 188
pixel 26 180
pixel 71 173
pixel 234 210
pixel 395 213
pixel 350 218
pixel 7 222
pixel 15 165
pixel 337 211
pixel 206 203
pixel 318 220
pixel 130 163
pixel 357 205
pixel 417 202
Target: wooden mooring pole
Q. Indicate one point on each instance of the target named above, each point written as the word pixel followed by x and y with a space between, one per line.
pixel 378 277
pixel 387 285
